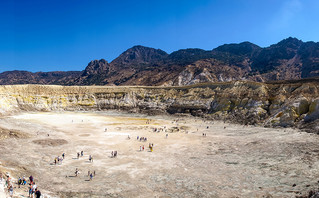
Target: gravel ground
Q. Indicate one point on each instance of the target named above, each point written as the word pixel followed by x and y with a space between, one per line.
pixel 230 161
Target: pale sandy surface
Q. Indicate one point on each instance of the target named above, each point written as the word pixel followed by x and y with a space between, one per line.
pixel 233 162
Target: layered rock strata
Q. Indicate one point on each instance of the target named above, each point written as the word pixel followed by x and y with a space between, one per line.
pixel 285 104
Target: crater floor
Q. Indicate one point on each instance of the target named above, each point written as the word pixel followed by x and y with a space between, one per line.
pixel 230 161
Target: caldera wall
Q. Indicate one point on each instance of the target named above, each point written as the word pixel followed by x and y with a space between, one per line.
pixel 281 104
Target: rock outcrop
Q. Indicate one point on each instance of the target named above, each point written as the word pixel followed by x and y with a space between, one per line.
pixel 285 104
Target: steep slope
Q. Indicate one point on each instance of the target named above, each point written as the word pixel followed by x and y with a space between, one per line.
pixel 285 104
pixel 94 74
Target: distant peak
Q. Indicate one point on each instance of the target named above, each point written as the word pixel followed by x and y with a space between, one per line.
pixel 290 41
pixel 243 48
pixel 139 54
pixel 141 47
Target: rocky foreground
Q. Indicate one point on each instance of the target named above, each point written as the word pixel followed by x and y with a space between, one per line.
pixel 281 104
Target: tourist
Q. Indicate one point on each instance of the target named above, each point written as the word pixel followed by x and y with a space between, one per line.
pixel 166 135
pixel 78 155
pixel 19 182
pixel 24 182
pixel 31 179
pixel 37 193
pixel 76 172
pixel 8 180
pixel 91 176
pixel 34 187
pixel 81 153
pixel 94 173
pixel 10 189
pixel 63 154
pixel 30 190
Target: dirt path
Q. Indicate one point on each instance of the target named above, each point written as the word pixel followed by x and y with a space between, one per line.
pixel 228 162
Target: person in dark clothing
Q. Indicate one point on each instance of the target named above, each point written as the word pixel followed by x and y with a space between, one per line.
pixel 37 193
pixel 31 179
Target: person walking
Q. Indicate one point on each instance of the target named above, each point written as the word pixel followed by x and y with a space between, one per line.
pixel 10 189
pixel 37 193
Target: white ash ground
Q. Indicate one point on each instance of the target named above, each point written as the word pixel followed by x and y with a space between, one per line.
pixel 236 161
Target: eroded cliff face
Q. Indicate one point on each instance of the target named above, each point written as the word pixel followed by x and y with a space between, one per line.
pixel 282 104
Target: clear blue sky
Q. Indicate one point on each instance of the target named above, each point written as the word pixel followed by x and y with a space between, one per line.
pixel 51 35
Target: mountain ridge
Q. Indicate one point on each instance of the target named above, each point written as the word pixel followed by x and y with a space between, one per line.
pixel 289 59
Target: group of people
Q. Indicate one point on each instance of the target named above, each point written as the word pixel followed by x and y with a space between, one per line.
pixel 90 174
pixel 58 160
pixel 141 138
pixel 80 154
pixel 33 190
pixel 22 181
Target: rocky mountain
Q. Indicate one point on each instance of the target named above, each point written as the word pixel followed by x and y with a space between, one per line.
pixel 290 59
pixel 25 77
